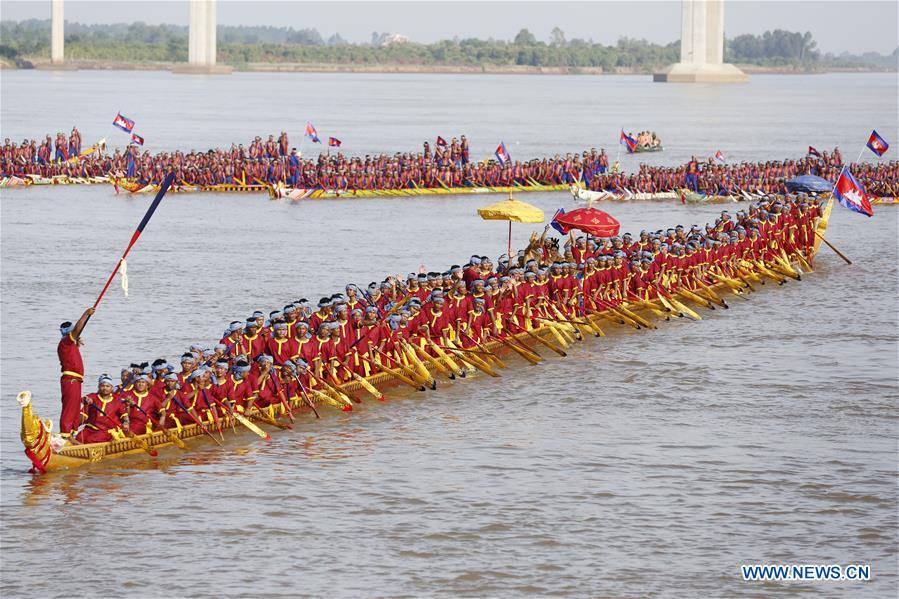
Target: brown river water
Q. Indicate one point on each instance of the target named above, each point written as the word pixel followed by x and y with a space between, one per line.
pixel 646 463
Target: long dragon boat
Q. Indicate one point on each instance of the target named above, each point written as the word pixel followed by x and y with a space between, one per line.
pixel 281 191
pixel 274 191
pixel 49 453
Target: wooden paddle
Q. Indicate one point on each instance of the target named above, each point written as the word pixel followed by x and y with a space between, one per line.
pixel 196 420
pixel 474 360
pixel 173 437
pixel 531 357
pixel 543 341
pixel 496 359
pixel 831 246
pixel 431 360
pixel 454 367
pixel 308 401
pixel 394 373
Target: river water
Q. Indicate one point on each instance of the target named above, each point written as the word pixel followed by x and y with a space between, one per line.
pixel 643 464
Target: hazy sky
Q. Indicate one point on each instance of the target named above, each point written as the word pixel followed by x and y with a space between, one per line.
pixel 854 26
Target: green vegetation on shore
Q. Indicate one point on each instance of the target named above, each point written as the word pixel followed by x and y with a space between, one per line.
pixel 24 41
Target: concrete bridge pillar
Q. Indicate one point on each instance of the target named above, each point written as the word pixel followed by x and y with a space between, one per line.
pixel 201 40
pixel 701 47
pixel 57 32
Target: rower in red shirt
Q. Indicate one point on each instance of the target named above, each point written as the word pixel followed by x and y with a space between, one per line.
pixel 234 388
pixel 234 339
pixel 263 391
pixel 322 315
pixel 142 405
pixel 281 346
pixel 72 367
pixel 253 342
pixel 478 325
pixel 102 412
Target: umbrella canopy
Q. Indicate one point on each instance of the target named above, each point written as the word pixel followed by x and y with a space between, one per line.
pixel 809 183
pixel 512 210
pixel 589 220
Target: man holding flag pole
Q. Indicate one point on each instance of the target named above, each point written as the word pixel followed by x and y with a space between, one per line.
pixel 70 360
pixel 72 366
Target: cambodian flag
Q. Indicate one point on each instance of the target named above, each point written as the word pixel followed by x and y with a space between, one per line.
pixel 628 141
pixel 502 154
pixel 441 141
pixel 312 134
pixel 813 152
pixel 851 194
pixel 137 139
pixel 556 224
pixel 334 142
pixel 123 123
pixel 720 157
pixel 877 144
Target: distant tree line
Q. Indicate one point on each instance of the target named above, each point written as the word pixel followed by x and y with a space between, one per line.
pixel 776 47
pixel 252 44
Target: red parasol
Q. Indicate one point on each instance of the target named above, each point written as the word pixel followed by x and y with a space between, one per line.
pixel 589 220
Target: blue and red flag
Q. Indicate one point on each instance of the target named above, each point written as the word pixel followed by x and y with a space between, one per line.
pixel 813 152
pixel 441 141
pixel 123 123
pixel 334 142
pixel 720 157
pixel 557 225
pixel 850 193
pixel 312 134
pixel 502 154
pixel 137 139
pixel 877 144
pixel 628 141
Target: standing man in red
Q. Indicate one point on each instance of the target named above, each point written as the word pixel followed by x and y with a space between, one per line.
pixel 72 367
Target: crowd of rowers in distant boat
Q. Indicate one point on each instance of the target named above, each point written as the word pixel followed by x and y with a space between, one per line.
pixel 647 140
pixel 271 164
pixel 278 361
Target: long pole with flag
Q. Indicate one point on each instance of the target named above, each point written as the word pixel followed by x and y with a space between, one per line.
pixel 166 183
pixel 618 157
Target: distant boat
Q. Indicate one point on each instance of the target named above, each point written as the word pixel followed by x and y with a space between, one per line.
pixel 643 149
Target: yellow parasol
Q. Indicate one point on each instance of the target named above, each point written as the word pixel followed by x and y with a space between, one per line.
pixel 512 210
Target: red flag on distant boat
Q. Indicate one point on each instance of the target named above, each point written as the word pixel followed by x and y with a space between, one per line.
pixel 312 134
pixel 877 144
pixel 334 142
pixel 137 139
pixel 502 154
pixel 628 141
pixel 851 194
pixel 441 141
pixel 123 123
pixel 720 157
pixel 813 152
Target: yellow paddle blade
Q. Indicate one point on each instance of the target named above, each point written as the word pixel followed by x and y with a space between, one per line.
pixel 244 421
